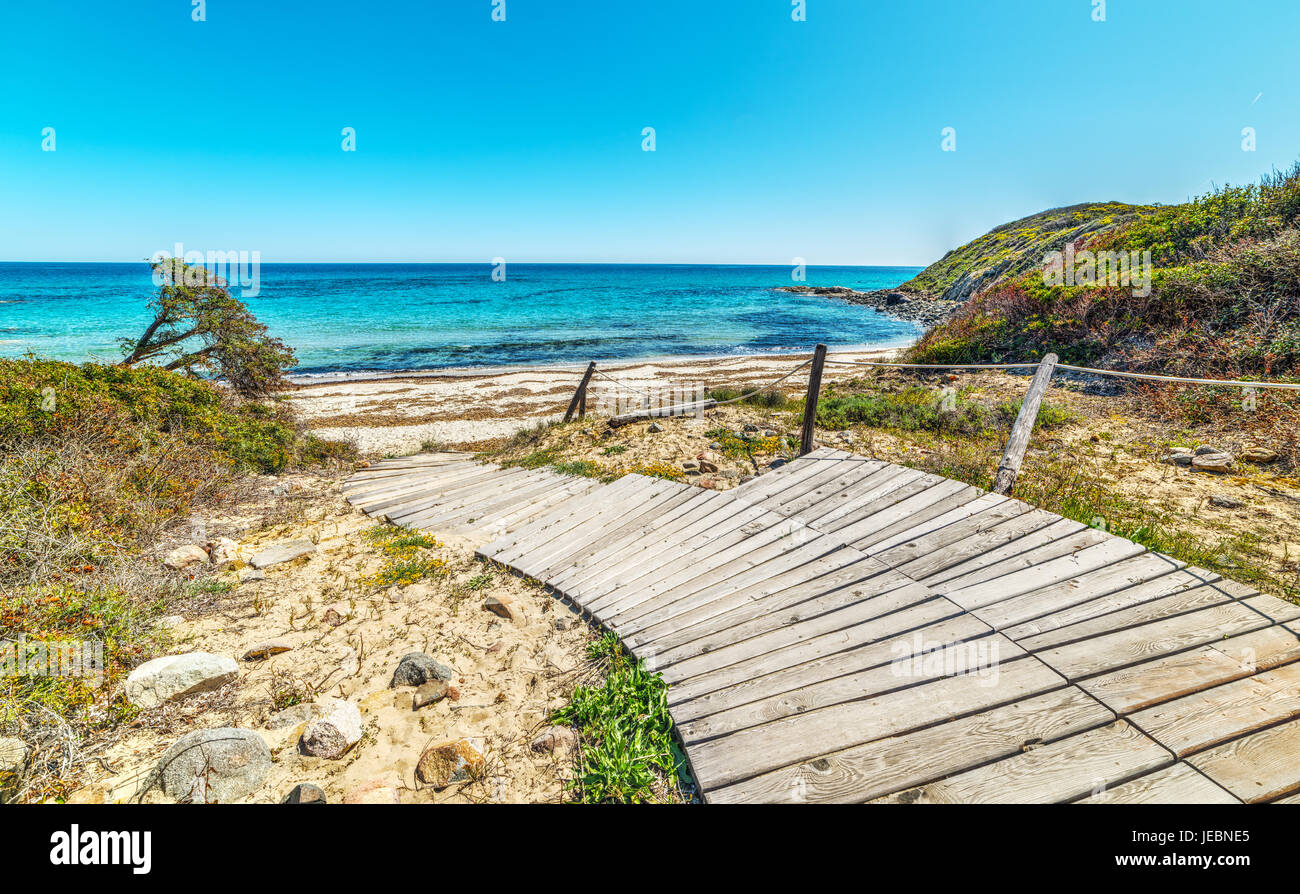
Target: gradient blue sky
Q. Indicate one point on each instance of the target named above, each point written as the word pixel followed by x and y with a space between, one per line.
pixel 522 139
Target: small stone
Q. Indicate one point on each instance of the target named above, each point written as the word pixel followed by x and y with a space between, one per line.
pixel 251 574
pixel 333 734
pixel 502 606
pixel 453 693
pixel 429 693
pixel 1178 456
pixel 770 433
pixel 563 623
pixel 655 428
pixel 1261 455
pixel 183 557
pixel 336 614
pixel 372 792
pixel 1223 501
pixel 214 766
pixel 305 793
pixel 556 740
pixel 690 466
pixel 1218 463
pixel 222 551
pixel 707 483
pixel 265 650
pixel 177 676
pixel 417 668
pixel 715 446
pixel 450 762
pixel 708 468
pixel 280 553
pixel 1205 449
pixel 751 427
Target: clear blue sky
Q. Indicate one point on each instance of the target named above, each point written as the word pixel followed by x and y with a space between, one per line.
pixel 522 139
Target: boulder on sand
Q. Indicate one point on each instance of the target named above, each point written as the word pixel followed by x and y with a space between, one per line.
pixel 177 676
pixel 214 766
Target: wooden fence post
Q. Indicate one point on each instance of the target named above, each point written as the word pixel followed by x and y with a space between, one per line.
pixel 580 396
pixel 1009 468
pixel 810 405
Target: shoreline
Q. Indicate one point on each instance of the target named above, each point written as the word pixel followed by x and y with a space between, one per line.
pixel 471 408
pixel 309 379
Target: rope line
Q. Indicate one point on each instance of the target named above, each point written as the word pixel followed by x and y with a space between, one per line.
pixel 1149 377
pixel 717 403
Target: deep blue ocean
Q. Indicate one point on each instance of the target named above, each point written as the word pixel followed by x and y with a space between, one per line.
pixel 362 317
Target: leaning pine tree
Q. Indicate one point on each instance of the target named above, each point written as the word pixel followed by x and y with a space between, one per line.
pixel 201 329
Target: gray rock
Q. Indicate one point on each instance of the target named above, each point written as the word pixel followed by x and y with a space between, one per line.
pixel 1223 501
pixel 1178 456
pixel 332 734
pixel 251 574
pixel 1262 455
pixel 556 740
pixel 655 428
pixel 1218 463
pixel 279 553
pixel 305 793
pixel 214 766
pixel 417 668
pixel 183 557
pixel 293 715
pixel 177 676
pixel 13 754
pixel 1205 449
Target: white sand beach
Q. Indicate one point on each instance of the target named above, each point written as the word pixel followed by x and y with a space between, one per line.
pixel 470 408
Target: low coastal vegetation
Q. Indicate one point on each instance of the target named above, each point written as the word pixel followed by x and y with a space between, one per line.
pixel 97 463
pixel 628 753
pixel 1224 298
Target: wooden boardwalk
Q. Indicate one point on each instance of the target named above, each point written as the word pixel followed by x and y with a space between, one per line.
pixel 844 629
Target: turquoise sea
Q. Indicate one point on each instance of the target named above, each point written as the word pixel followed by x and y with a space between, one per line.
pixel 351 318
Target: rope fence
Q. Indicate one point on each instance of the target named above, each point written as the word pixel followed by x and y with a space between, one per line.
pixel 1021 430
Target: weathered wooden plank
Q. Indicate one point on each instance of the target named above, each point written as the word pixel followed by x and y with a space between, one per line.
pixel 980 590
pixel 1023 429
pixel 926 526
pixel 1136 615
pixel 728 606
pixel 761 749
pixel 428 499
pixel 1173 676
pixel 502 523
pixel 1226 712
pixel 1065 770
pixel 1175 784
pixel 699 696
pixel 1116 587
pixel 566 517
pixel 631 542
pixel 1259 767
pixel 509 493
pixel 997 536
pixel 972 658
pixel 1134 645
pixel 1052 538
pixel 854 625
pixel 889 765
